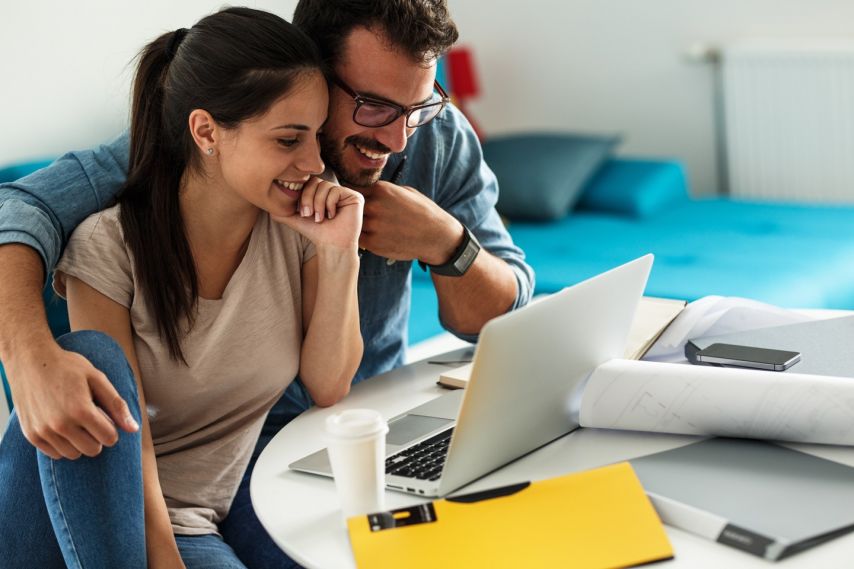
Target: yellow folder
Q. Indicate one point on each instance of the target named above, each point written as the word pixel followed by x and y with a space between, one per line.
pixel 589 520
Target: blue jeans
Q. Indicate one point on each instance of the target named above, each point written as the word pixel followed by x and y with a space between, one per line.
pixel 241 527
pixel 88 513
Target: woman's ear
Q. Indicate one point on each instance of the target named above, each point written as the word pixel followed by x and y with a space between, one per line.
pixel 204 130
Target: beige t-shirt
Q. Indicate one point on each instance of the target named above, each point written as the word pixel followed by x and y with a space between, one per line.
pixel 242 353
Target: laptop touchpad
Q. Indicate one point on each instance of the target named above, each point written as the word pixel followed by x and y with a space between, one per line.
pixel 410 427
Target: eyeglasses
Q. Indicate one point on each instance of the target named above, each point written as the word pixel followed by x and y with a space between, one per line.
pixel 375 113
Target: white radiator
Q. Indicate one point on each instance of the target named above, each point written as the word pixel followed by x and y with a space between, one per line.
pixel 789 120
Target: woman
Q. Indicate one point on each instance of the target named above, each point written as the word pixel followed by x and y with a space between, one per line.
pixel 226 268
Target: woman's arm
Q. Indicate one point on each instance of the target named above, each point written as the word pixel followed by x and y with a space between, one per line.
pixel 331 217
pixel 332 347
pixel 88 309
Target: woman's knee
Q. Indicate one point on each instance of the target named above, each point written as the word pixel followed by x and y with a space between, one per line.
pixel 106 355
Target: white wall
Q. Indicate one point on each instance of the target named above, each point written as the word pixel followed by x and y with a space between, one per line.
pixel 583 65
pixel 66 67
pixel 618 65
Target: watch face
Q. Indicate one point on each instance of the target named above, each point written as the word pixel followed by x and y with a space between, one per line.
pixel 463 257
pixel 467 258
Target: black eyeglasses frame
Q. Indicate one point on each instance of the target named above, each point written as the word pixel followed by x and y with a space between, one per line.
pixel 361 100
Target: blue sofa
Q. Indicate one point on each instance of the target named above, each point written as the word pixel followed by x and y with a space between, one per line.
pixel 790 255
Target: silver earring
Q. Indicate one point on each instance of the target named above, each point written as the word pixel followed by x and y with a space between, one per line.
pixel 210 151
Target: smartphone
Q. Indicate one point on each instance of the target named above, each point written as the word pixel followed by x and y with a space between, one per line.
pixel 748 356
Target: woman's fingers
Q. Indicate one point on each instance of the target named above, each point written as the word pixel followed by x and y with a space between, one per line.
pixel 332 199
pixel 322 200
pixel 324 190
pixel 306 199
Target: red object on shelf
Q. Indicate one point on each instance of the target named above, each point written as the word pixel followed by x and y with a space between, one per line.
pixel 461 74
pixel 463 84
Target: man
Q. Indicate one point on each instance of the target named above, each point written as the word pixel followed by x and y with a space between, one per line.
pixel 440 211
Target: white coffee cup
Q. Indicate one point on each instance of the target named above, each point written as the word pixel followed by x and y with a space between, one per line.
pixel 356 444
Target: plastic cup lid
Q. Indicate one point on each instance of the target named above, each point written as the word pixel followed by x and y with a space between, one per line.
pixel 356 423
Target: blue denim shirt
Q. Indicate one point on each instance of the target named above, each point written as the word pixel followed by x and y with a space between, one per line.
pixel 445 163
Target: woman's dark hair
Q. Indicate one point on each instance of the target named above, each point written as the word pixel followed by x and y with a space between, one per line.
pixel 423 28
pixel 234 64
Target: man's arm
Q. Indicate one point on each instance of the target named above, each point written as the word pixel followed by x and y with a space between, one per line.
pixel 488 289
pixel 454 187
pixel 42 209
pixel 404 224
pixel 53 389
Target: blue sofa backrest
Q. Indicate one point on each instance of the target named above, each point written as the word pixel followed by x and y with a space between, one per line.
pixel 16 171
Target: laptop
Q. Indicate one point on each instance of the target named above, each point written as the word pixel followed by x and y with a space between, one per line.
pixel 528 371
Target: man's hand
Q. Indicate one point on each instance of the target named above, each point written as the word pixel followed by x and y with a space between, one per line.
pixel 65 405
pixel 55 391
pixel 402 224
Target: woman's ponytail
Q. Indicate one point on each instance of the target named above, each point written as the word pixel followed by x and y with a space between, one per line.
pixel 150 212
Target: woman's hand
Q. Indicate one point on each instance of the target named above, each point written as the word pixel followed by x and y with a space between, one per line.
pixel 327 214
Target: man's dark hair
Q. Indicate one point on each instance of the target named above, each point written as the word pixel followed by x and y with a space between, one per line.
pixel 423 28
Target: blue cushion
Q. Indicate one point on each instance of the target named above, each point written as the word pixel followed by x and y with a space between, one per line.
pixel 634 188
pixel 540 176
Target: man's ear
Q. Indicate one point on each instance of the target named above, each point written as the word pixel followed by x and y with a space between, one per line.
pixel 204 130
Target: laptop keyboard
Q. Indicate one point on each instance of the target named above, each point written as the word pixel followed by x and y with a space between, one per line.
pixel 423 461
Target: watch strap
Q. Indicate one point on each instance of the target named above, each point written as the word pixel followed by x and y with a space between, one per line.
pixel 462 258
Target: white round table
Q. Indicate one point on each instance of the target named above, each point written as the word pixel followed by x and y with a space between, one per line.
pixel 301 511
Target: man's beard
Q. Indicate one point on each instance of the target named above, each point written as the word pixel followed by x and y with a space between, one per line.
pixel 333 155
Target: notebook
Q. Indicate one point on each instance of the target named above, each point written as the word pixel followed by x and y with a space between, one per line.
pixel 759 497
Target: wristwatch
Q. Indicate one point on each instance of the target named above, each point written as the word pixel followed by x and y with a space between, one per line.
pixel 460 261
